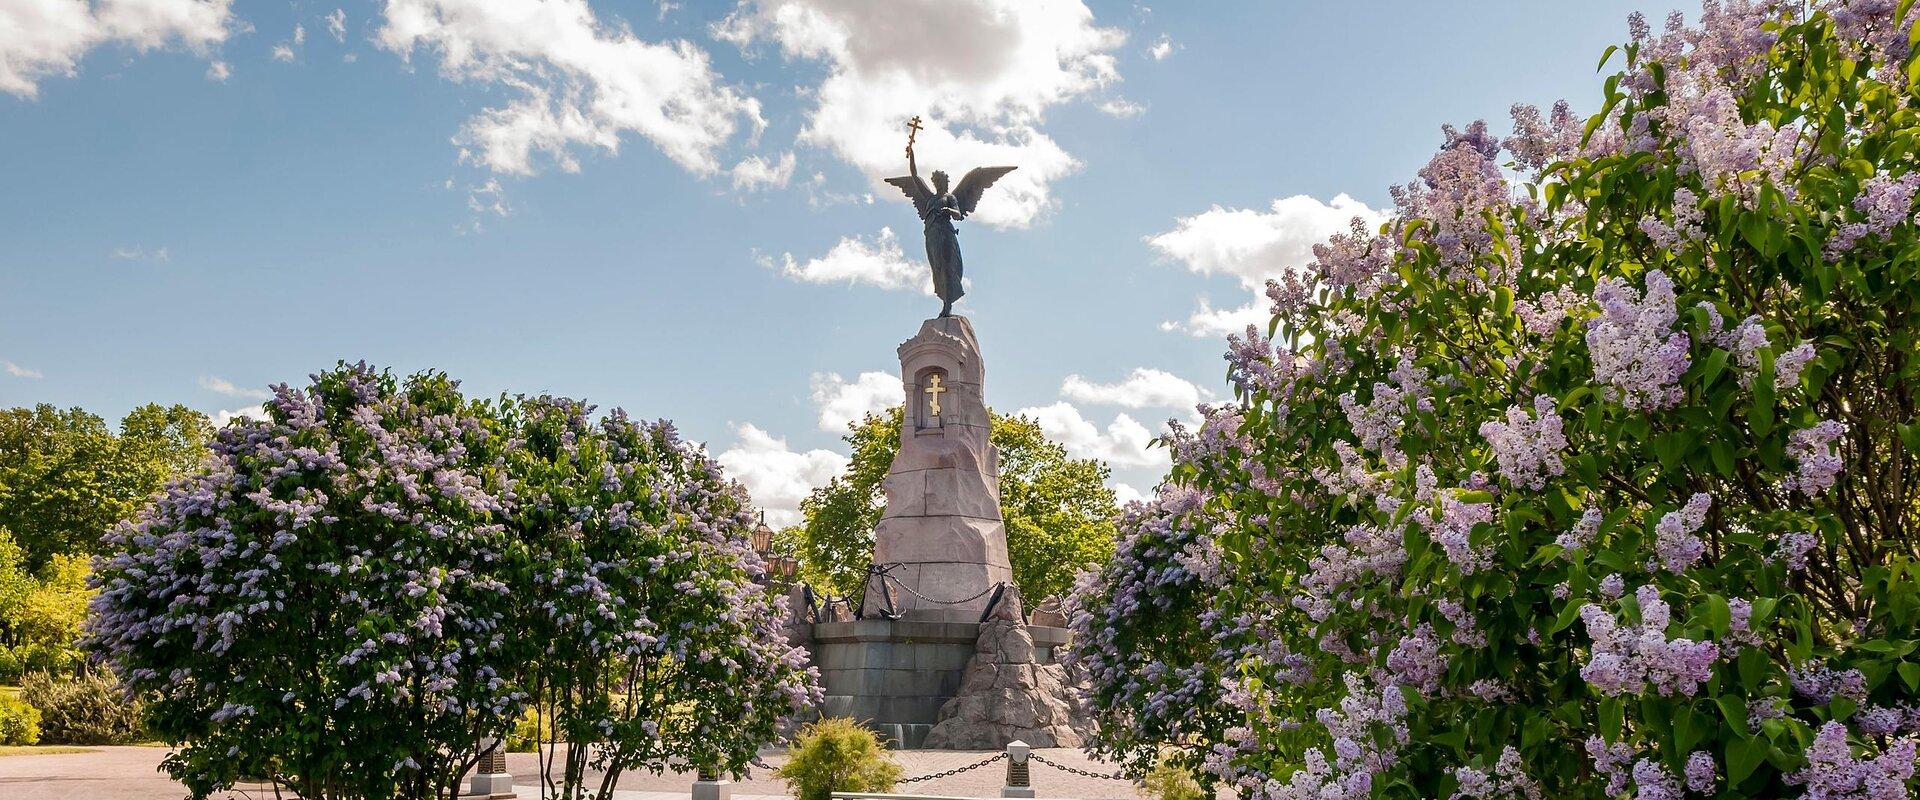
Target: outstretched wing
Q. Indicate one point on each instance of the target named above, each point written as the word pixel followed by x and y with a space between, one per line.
pixel 976 183
pixel 916 190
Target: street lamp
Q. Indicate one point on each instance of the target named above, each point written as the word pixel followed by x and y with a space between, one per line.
pixel 763 537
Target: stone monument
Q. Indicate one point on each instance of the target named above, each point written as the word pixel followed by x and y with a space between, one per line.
pixel 937 637
pixel 917 654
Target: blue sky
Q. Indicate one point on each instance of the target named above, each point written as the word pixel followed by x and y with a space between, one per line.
pixel 600 199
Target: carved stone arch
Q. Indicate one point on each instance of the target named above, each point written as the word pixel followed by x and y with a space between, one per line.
pixel 923 403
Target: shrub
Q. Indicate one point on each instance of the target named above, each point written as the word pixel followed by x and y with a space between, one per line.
pixel 527 735
pixel 325 602
pixel 359 588
pixel 84 709
pixel 837 755
pixel 1591 472
pixel 1169 780
pixel 19 722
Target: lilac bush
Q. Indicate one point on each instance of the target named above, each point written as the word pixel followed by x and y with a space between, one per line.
pixel 351 595
pixel 1591 473
pixel 656 646
pixel 327 602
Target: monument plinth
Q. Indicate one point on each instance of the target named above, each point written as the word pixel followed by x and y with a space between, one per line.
pixel 941 540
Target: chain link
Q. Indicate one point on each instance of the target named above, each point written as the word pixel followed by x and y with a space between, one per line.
pixel 955 771
pixel 1117 776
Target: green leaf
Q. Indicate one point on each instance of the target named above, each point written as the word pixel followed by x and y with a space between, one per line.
pixel 1715 364
pixel 1734 710
pixel 1613 714
pixel 1744 754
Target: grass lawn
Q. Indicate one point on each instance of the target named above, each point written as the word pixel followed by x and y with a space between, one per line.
pixel 41 750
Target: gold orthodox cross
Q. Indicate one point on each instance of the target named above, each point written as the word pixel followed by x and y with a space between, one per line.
pixel 933 394
pixel 913 129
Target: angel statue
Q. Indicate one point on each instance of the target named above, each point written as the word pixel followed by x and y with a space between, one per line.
pixel 939 209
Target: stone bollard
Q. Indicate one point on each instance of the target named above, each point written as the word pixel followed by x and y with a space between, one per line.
pixel 490 777
pixel 710 786
pixel 1019 783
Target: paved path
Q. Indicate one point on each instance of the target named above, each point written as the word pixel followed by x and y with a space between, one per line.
pixel 132 773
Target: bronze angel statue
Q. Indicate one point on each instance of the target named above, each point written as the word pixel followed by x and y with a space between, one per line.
pixel 939 209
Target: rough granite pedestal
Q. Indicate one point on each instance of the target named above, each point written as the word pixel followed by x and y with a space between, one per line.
pixel 943 545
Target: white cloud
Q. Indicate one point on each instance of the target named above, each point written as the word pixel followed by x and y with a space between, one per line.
pixel 754 173
pixel 842 402
pixel 576 82
pixel 219 71
pixel 1253 245
pixel 775 475
pixel 337 25
pixel 1212 323
pixel 488 198
pixel 282 52
pixel 1162 47
pixel 1142 388
pixel 856 259
pixel 981 74
pixel 1123 444
pixel 40 38
pixel 19 371
pixel 139 253
pixel 299 34
pixel 220 385
pixel 1121 108
pixel 224 416
pixel 1125 493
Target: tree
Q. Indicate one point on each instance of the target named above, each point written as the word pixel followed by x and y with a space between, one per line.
pixel 1059 513
pixel 40 616
pixel 66 478
pixel 658 647
pixel 1596 479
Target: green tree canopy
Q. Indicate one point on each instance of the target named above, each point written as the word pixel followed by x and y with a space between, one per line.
pixel 1058 510
pixel 66 477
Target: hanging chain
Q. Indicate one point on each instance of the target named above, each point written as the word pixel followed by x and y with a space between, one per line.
pixel 1116 776
pixel 885 573
pixel 955 771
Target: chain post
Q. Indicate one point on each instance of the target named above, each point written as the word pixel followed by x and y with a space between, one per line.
pixel 708 785
pixel 490 777
pixel 1019 774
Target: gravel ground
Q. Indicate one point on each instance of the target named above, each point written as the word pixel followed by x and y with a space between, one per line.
pixel 132 773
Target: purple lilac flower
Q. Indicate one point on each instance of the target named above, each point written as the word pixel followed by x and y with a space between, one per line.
pixel 1793 549
pixel 1583 531
pixel 1637 354
pixel 1677 544
pixel 1816 461
pixel 1629 659
pixel 1527 448
pixel 1611 761
pixel 1822 684
pixel 1652 781
pixel 1701 772
pixel 1833 772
